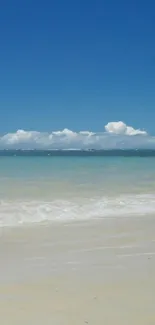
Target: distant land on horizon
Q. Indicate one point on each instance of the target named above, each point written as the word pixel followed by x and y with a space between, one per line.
pixel 78 152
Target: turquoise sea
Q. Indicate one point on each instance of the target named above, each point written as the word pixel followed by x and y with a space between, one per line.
pixel 65 187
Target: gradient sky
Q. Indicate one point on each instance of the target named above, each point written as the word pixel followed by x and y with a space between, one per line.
pixel 77 64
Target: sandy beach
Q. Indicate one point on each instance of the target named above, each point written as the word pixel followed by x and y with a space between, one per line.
pixel 92 272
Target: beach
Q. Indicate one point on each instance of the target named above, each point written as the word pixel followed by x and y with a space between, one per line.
pixel 95 272
pixel 77 239
pixel 77 163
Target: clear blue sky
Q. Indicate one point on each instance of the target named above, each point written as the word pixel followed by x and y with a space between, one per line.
pixel 77 64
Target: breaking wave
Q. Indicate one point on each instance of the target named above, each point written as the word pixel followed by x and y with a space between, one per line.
pixel 16 213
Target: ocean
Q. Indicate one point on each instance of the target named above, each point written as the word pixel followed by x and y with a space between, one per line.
pixel 58 186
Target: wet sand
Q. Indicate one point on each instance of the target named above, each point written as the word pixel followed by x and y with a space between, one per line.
pixel 94 272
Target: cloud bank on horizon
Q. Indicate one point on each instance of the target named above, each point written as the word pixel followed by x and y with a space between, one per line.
pixel 117 135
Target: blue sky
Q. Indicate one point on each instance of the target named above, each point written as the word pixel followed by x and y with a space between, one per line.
pixel 77 64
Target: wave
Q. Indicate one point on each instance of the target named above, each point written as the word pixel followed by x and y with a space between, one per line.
pixel 16 213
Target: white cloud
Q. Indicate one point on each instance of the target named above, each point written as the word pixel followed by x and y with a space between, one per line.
pixel 121 128
pixel 20 136
pixel 116 135
pixel 87 133
pixel 65 132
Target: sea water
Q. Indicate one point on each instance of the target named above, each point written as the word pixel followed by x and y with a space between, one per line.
pixel 50 188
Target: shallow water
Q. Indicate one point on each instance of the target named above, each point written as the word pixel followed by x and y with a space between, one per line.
pixel 42 189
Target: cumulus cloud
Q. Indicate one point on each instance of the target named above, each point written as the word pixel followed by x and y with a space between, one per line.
pixel 121 128
pixel 116 135
pixel 20 136
pixel 65 132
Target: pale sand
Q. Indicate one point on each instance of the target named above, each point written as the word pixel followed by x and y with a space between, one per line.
pixel 95 272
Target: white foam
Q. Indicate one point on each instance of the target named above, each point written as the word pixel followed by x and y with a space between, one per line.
pixel 137 254
pixel 15 212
